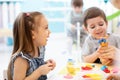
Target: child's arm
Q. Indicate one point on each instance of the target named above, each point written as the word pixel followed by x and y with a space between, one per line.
pixel 106 61
pixel 92 57
pixel 42 70
pixel 102 53
pixel 20 68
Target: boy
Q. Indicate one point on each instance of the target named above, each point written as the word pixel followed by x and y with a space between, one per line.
pixel 95 23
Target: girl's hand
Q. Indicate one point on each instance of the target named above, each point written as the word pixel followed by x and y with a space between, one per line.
pixel 45 69
pixel 52 62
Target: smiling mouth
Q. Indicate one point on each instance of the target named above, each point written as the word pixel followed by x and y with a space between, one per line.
pixel 99 33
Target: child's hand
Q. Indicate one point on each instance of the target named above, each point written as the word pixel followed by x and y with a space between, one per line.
pixel 73 27
pixel 99 51
pixel 106 61
pixel 108 52
pixel 45 69
pixel 113 77
pixel 52 62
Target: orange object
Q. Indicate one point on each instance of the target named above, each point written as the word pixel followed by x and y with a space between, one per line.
pixel 104 44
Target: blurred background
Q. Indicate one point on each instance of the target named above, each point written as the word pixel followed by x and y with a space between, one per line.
pixel 56 12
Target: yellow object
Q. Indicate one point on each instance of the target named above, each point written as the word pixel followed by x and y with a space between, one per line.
pixel 95 76
pixel 89 65
pixel 77 69
pixel 71 68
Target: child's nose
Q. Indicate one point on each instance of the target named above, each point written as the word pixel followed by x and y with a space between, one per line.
pixel 49 31
pixel 98 27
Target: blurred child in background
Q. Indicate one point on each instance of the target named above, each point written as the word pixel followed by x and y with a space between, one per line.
pixel 76 19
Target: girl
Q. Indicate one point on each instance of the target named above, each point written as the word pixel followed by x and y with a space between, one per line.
pixel 30 33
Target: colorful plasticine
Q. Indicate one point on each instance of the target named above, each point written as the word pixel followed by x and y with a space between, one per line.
pixel 92 77
pixel 87 67
pixel 105 69
pixel 103 42
pixel 115 70
pixel 68 76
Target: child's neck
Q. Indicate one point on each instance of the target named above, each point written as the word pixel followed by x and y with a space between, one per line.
pixel 35 53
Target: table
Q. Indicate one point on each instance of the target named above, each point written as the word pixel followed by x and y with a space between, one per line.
pixel 85 71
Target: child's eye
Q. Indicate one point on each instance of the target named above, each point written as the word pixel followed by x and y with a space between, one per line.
pixel 92 27
pixel 101 24
pixel 46 27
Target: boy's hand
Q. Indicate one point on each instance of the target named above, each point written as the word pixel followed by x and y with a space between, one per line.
pixel 106 61
pixel 108 52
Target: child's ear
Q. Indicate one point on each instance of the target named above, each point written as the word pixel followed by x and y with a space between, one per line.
pixel 85 28
pixel 33 34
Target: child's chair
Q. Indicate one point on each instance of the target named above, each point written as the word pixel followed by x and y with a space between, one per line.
pixel 5 75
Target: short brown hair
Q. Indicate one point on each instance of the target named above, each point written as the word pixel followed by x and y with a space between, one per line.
pixel 92 13
pixel 77 3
